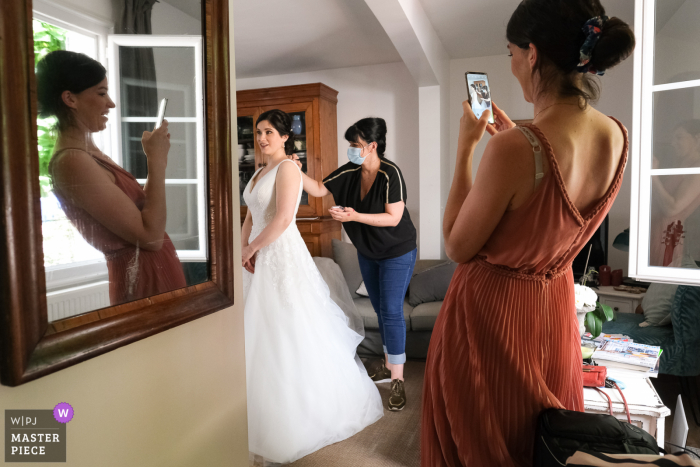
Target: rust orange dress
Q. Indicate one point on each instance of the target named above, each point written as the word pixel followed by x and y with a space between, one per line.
pixel 506 343
pixel 133 272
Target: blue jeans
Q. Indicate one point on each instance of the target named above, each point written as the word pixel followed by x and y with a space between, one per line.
pixel 386 281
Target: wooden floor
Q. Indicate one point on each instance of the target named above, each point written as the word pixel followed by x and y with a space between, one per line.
pixel 394 441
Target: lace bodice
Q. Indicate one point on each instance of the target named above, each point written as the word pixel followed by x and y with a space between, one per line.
pixel 262 200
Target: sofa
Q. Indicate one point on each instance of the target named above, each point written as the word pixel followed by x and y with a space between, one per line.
pixel 680 341
pixel 427 288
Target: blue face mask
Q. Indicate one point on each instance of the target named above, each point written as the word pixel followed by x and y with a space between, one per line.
pixel 354 155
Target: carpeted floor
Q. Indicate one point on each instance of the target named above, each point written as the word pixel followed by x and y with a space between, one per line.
pixel 393 441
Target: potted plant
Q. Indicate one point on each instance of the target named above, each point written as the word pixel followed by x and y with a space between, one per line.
pixel 590 312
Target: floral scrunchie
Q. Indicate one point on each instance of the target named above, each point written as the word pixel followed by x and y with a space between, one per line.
pixel 592 28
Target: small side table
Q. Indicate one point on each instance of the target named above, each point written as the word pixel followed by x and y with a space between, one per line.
pixel 647 411
pixel 621 302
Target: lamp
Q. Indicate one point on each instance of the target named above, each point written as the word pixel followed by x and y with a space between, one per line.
pixel 622 241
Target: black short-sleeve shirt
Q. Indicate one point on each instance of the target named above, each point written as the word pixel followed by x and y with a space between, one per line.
pixel 388 188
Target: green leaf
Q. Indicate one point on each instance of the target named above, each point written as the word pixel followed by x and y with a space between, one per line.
pixel 608 313
pixel 594 324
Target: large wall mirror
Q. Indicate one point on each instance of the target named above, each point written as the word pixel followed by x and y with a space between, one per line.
pixel 113 230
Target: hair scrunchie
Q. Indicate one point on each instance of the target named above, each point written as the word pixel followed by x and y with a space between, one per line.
pixel 592 28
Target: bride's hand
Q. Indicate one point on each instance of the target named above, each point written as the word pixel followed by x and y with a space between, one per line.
pixel 247 253
pixel 502 121
pixel 250 265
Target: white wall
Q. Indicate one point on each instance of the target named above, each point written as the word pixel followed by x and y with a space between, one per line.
pixel 174 399
pixel 616 100
pixel 166 19
pixel 387 91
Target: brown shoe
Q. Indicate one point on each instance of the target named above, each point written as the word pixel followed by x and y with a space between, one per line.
pixel 379 373
pixel 397 398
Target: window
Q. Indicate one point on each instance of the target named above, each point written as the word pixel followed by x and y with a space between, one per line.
pixel 176 75
pixel 665 215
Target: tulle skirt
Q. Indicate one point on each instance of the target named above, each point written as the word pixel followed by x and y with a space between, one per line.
pixel 306 386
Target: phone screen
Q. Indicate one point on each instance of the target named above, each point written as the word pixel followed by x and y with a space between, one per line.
pixel 479 93
pixel 161 111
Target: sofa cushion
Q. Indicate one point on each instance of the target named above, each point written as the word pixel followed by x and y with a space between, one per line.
pixel 345 254
pixel 657 303
pixel 424 315
pixel 364 307
pixel 424 264
pixel 431 284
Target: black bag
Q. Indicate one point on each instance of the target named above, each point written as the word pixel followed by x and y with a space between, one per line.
pixel 560 433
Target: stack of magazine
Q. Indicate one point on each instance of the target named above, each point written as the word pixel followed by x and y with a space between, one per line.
pixel 620 352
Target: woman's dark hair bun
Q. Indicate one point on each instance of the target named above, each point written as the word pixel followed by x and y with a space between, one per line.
pixel 555 27
pixel 615 44
pixel 370 130
pixel 282 122
pixel 61 71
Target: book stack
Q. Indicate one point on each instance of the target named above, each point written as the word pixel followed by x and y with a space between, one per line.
pixel 620 352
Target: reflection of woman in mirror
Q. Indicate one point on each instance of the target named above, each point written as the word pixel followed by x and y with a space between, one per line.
pixel 102 200
pixel 676 198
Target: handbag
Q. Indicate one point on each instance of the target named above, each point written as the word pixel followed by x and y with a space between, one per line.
pixel 560 433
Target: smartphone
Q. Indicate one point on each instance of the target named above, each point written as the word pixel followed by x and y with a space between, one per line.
pixel 338 207
pixel 479 92
pixel 161 111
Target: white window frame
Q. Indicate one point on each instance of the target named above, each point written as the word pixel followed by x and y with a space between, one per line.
pixel 641 153
pixel 148 40
pixel 81 272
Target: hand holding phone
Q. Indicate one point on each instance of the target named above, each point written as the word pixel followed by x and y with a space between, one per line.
pixel 161 112
pixel 479 93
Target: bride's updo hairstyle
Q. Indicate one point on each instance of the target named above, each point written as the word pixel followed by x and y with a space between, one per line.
pixel 559 29
pixel 61 71
pixel 282 122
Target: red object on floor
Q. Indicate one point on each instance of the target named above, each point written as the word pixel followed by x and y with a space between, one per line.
pixel 506 343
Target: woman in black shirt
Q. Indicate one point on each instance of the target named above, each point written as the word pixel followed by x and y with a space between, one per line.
pixel 371 195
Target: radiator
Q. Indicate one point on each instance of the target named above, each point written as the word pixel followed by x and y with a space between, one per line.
pixel 73 301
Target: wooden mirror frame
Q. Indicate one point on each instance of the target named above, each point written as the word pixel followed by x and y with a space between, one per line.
pixel 30 346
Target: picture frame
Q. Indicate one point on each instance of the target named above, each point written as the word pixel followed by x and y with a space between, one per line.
pixel 30 346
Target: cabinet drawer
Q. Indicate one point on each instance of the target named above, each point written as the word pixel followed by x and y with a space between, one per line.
pixel 619 306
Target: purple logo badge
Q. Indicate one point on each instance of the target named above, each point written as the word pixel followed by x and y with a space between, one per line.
pixel 63 412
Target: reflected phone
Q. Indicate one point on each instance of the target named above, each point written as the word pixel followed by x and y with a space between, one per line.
pixel 161 111
pixel 479 92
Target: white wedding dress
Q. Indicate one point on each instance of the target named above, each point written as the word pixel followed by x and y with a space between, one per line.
pixel 306 386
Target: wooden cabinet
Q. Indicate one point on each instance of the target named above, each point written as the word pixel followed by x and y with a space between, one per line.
pixel 314 120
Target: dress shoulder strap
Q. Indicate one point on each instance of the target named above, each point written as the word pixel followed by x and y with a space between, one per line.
pixel 537 150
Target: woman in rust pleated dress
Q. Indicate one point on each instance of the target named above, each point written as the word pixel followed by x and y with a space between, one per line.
pixel 506 343
pixel 103 201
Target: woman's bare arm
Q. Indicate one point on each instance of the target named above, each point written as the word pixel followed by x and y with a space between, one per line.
pixel 687 193
pixel 315 188
pixel 87 184
pixel 389 218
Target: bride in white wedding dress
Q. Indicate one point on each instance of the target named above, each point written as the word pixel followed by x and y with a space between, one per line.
pixel 306 386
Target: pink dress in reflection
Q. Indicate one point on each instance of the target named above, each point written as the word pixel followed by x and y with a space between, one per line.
pixel 134 273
